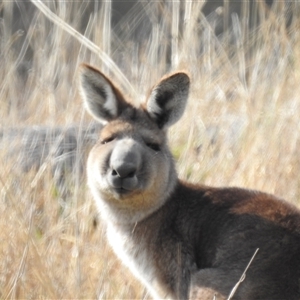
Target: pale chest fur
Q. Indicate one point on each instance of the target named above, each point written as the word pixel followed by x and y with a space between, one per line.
pixel 135 255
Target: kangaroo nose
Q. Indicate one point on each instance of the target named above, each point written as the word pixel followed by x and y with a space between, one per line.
pixel 123 177
pixel 124 170
pixel 124 165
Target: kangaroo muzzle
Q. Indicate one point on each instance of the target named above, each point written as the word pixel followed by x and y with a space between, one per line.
pixel 125 163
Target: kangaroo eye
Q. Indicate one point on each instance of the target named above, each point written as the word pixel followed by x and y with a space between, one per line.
pixel 153 146
pixel 107 140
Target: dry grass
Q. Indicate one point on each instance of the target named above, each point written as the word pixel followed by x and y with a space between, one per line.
pixel 241 128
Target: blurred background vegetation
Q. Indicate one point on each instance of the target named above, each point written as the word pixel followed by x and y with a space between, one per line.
pixel 241 127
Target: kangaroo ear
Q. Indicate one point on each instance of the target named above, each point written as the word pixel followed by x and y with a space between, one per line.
pixel 168 99
pixel 101 98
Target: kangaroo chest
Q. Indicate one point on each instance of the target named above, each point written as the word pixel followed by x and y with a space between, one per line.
pixel 135 254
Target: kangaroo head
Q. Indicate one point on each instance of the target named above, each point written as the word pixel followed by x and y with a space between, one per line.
pixel 130 170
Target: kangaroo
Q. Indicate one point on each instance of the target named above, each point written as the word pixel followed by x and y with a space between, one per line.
pixel 182 241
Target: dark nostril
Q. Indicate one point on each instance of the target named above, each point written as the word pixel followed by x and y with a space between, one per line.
pixel 124 171
pixel 131 174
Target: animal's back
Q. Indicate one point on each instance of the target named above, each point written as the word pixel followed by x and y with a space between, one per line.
pixel 225 226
